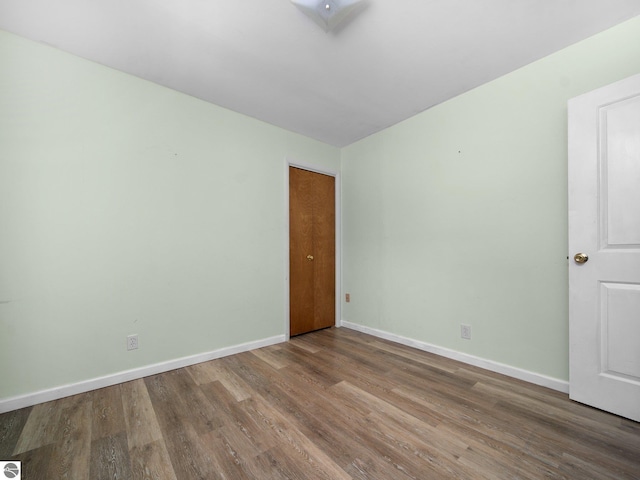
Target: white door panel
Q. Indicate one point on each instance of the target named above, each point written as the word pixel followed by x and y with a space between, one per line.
pixel 620 176
pixel 604 223
pixel 620 333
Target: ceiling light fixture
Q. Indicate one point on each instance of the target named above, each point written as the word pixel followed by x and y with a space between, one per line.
pixel 327 13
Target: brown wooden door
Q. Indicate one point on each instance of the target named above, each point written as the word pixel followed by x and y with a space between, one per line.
pixel 312 271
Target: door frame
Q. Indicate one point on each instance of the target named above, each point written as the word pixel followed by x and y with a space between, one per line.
pixel 289 162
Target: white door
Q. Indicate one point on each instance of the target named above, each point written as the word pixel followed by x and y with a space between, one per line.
pixel 604 224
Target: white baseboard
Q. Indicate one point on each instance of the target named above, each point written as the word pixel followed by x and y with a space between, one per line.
pixel 22 401
pixel 520 374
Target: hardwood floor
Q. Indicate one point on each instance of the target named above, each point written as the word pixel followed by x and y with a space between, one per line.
pixel 334 404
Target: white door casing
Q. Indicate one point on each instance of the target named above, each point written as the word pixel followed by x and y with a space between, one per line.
pixel 604 223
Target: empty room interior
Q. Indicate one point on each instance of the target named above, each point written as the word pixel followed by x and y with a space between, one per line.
pixel 320 240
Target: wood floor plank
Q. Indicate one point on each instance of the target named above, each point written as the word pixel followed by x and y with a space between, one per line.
pixel 275 461
pixel 333 404
pixel 402 431
pixel 110 458
pixel 305 344
pixel 238 418
pixel 202 373
pixel 330 429
pixel 187 453
pixel 271 357
pixel 315 369
pixel 418 356
pixel 326 428
pixel 108 415
pixel 232 382
pixel 71 453
pixel 196 408
pixel 472 419
pixel 303 452
pixel 583 427
pixel 552 438
pixel 226 455
pixel 479 429
pixel 40 428
pixel 189 456
pixel 140 419
pixel 575 467
pixel 266 466
pixel 217 370
pixel 11 426
pixel 151 462
pixel 35 463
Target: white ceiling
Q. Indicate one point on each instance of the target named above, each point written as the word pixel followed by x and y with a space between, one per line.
pixel 266 59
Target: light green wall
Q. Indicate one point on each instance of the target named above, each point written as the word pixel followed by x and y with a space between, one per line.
pixel 126 207
pixel 459 214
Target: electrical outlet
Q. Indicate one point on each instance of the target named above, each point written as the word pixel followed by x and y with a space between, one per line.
pixel 347 297
pixel 465 331
pixel 132 342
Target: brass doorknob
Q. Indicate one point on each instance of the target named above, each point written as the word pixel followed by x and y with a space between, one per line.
pixel 581 257
pixel 309 257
